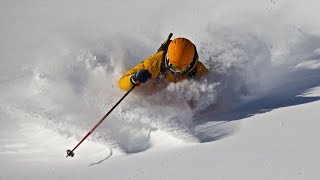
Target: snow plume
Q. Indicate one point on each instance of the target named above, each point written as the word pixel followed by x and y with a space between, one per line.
pixel 77 84
pixel 249 66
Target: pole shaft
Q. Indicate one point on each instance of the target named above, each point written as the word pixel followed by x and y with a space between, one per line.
pixel 102 119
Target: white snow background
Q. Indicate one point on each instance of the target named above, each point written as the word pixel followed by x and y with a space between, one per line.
pixel 257 112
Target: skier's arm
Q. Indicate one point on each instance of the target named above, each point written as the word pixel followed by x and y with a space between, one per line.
pixel 152 64
pixel 125 82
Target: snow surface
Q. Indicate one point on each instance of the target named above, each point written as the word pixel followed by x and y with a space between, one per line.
pixel 256 114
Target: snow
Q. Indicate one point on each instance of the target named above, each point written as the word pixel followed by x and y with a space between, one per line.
pixel 256 114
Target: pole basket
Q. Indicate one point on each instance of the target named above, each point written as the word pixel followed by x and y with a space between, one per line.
pixel 70 153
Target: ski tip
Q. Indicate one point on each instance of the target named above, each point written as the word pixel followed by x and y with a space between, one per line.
pixel 70 153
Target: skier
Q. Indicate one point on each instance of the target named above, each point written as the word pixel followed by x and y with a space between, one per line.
pixel 175 60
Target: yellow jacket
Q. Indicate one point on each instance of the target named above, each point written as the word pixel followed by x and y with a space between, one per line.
pixel 158 79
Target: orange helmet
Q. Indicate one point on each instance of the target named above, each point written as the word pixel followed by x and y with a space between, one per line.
pixel 181 52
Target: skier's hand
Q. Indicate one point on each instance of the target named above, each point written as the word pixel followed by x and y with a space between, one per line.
pixel 140 77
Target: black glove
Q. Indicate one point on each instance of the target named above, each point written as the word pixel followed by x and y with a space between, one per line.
pixel 140 77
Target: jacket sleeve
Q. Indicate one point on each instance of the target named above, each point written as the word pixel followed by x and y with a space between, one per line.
pixel 152 64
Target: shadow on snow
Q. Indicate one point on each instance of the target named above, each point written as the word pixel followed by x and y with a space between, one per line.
pixel 216 125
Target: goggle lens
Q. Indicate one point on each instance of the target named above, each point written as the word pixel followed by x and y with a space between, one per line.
pixel 175 69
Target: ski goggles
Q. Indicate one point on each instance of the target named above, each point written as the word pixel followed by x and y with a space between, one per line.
pixel 175 69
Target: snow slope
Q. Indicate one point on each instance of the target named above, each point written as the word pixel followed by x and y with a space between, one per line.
pixel 257 111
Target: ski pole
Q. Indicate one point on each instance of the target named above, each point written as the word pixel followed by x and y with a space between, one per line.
pixel 71 152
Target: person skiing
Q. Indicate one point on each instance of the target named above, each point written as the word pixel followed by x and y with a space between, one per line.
pixel 175 60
